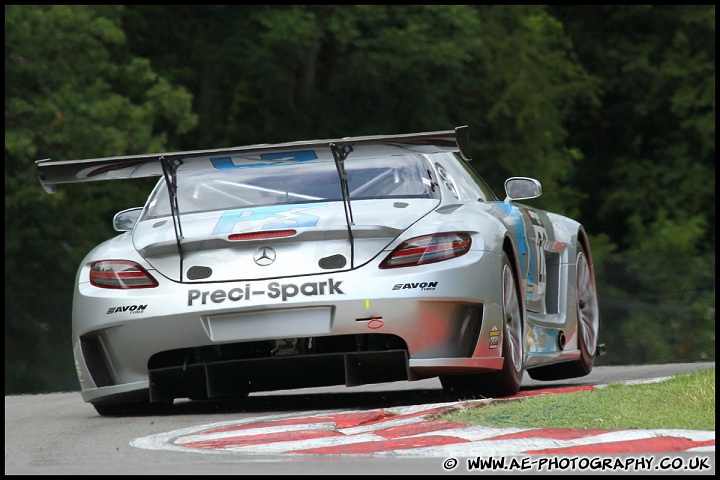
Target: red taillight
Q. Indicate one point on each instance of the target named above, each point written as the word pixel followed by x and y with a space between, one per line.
pixel 428 249
pixel 120 274
pixel 262 235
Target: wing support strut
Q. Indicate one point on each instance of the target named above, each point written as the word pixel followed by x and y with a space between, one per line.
pixel 169 168
pixel 340 153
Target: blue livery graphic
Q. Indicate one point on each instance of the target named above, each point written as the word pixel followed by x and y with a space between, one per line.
pixel 543 340
pixel 298 156
pixel 286 216
pixel 535 256
pixel 522 241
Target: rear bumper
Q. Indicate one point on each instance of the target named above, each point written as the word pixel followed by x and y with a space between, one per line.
pixel 233 378
pixel 365 326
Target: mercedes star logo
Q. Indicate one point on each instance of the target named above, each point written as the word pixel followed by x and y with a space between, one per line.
pixel 264 256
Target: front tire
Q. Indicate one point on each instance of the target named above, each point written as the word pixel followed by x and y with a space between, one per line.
pixel 507 381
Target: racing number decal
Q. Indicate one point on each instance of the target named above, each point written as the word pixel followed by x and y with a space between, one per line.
pixel 541 239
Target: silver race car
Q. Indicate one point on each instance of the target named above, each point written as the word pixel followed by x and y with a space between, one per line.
pixel 329 262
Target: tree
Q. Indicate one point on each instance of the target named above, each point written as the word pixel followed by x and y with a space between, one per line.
pixel 72 90
pixel 651 148
pixel 281 73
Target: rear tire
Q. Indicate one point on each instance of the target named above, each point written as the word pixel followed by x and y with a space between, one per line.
pixel 588 327
pixel 507 381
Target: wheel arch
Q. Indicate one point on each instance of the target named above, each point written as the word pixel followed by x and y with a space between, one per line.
pixel 510 250
pixel 583 240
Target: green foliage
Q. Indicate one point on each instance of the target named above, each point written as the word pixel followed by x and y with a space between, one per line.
pixel 323 71
pixel 72 91
pixel 685 402
pixel 650 157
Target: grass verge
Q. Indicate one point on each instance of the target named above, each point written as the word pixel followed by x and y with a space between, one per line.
pixel 684 402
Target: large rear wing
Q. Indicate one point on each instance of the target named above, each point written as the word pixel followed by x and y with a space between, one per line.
pixel 51 173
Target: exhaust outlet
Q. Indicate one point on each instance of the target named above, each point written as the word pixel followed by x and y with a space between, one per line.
pixel 561 340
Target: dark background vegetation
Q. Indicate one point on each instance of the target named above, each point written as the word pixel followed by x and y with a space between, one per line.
pixel 611 107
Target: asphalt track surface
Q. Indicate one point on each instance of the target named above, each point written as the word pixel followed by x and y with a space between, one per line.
pixel 386 429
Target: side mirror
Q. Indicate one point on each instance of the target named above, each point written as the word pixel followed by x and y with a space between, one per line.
pixel 124 221
pixel 522 188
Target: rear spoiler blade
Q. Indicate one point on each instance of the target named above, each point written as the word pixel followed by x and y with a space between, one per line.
pixel 51 173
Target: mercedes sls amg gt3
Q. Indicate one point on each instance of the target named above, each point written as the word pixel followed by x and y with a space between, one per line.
pixel 349 261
